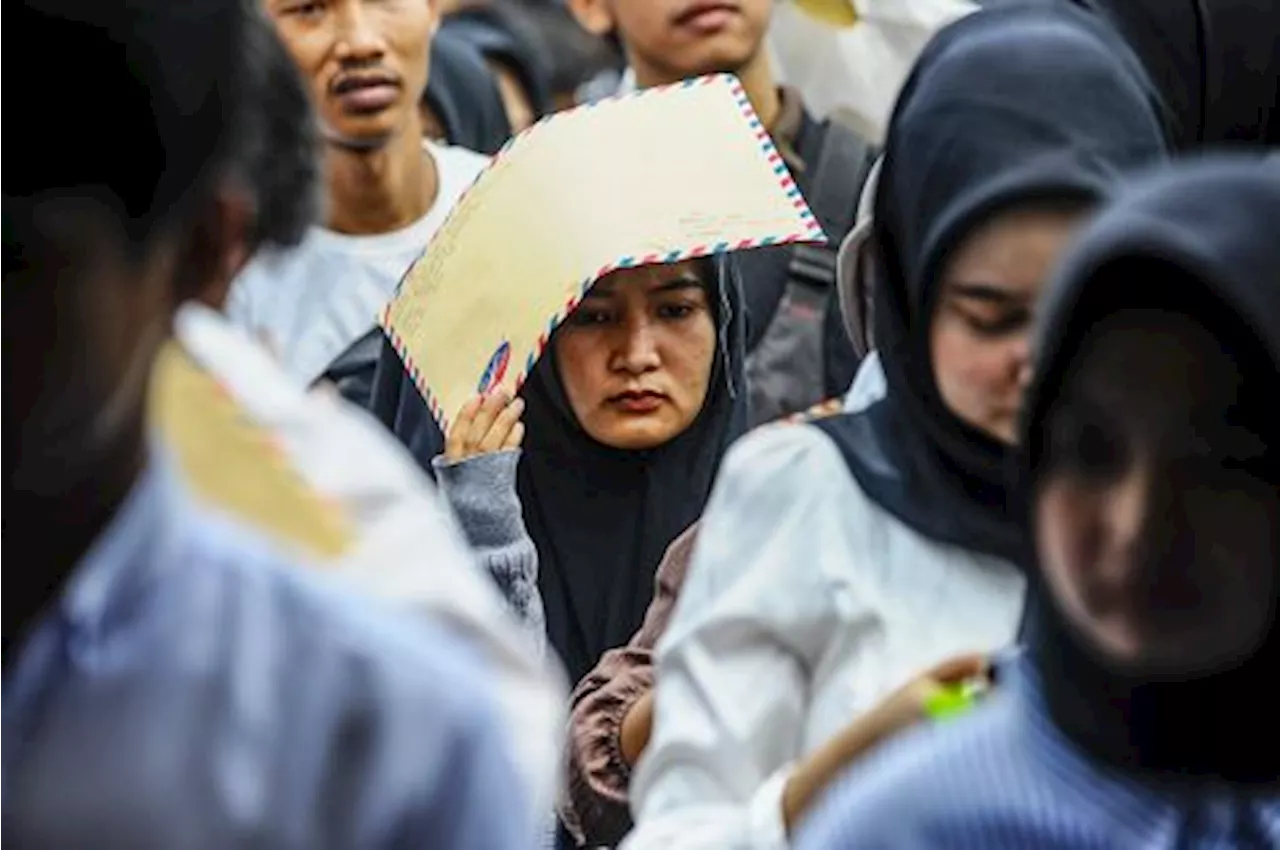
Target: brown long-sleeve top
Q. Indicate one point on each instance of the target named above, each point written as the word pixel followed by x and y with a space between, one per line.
pixel 596 810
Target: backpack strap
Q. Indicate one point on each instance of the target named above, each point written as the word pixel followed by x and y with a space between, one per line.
pixel 844 158
pixel 803 353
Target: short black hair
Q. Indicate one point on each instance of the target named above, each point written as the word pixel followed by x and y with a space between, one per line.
pixel 152 108
pixel 278 154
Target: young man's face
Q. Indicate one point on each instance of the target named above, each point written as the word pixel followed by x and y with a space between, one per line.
pixel 669 40
pixel 365 62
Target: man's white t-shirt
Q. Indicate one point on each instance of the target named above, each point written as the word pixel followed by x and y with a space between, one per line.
pixel 311 302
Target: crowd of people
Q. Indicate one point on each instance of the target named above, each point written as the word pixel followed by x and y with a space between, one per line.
pixel 961 530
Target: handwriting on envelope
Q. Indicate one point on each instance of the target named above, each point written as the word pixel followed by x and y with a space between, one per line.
pixel 656 176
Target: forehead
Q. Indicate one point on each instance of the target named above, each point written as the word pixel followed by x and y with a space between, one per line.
pixel 649 279
pixel 1012 250
pixel 1154 368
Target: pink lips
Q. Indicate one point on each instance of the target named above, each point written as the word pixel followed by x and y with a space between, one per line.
pixel 707 18
pixel 638 402
pixel 366 94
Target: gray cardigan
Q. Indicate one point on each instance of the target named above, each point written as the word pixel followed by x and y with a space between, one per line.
pixel 481 490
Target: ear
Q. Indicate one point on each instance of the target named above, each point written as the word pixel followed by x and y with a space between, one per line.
pixel 594 16
pixel 217 249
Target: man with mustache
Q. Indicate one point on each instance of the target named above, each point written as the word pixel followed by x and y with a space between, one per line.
pixel 799 351
pixel 387 191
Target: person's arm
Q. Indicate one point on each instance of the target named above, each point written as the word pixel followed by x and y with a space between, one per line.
pixel 898 711
pixel 481 490
pixel 477 476
pixel 735 666
pixel 613 713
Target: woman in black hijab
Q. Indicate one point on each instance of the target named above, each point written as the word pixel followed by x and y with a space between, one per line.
pixel 627 415
pixel 921 456
pixel 602 515
pixel 840 558
pixel 1144 712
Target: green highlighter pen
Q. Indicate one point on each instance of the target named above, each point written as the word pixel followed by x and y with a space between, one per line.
pixel 953 700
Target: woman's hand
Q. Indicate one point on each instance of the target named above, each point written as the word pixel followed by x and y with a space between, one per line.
pixel 901 709
pixel 908 705
pixel 486 424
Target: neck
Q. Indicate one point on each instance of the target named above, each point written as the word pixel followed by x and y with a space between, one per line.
pixel 381 189
pixel 756 77
pixel 1218 728
pixel 62 526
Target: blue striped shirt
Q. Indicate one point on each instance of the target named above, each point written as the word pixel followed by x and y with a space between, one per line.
pixel 191 690
pixel 1004 778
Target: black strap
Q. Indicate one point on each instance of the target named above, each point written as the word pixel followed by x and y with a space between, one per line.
pixel 843 163
pixel 844 159
pixel 352 371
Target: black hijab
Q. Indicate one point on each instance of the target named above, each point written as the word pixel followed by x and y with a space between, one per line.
pixel 1213 222
pixel 601 518
pixel 1215 62
pixel 1007 106
pixel 463 94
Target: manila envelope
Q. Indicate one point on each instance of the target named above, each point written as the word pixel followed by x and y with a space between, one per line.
pixel 655 176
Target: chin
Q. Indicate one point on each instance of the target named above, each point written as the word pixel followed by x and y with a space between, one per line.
pixel 1175 655
pixel 720 54
pixel 1003 429
pixel 634 436
pixel 362 131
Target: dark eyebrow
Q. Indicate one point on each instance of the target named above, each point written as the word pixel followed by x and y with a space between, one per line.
pixel 686 281
pixel 983 292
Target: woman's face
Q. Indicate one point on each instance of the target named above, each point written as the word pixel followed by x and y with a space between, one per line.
pixel 1156 526
pixel 979 335
pixel 635 357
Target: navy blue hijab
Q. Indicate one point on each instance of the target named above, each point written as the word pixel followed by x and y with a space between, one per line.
pixel 1200 239
pixel 601 517
pixel 1008 106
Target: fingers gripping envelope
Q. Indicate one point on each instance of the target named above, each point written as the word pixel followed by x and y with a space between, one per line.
pixel 655 176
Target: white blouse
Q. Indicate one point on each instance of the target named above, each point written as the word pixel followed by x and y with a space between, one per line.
pixel 805 604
